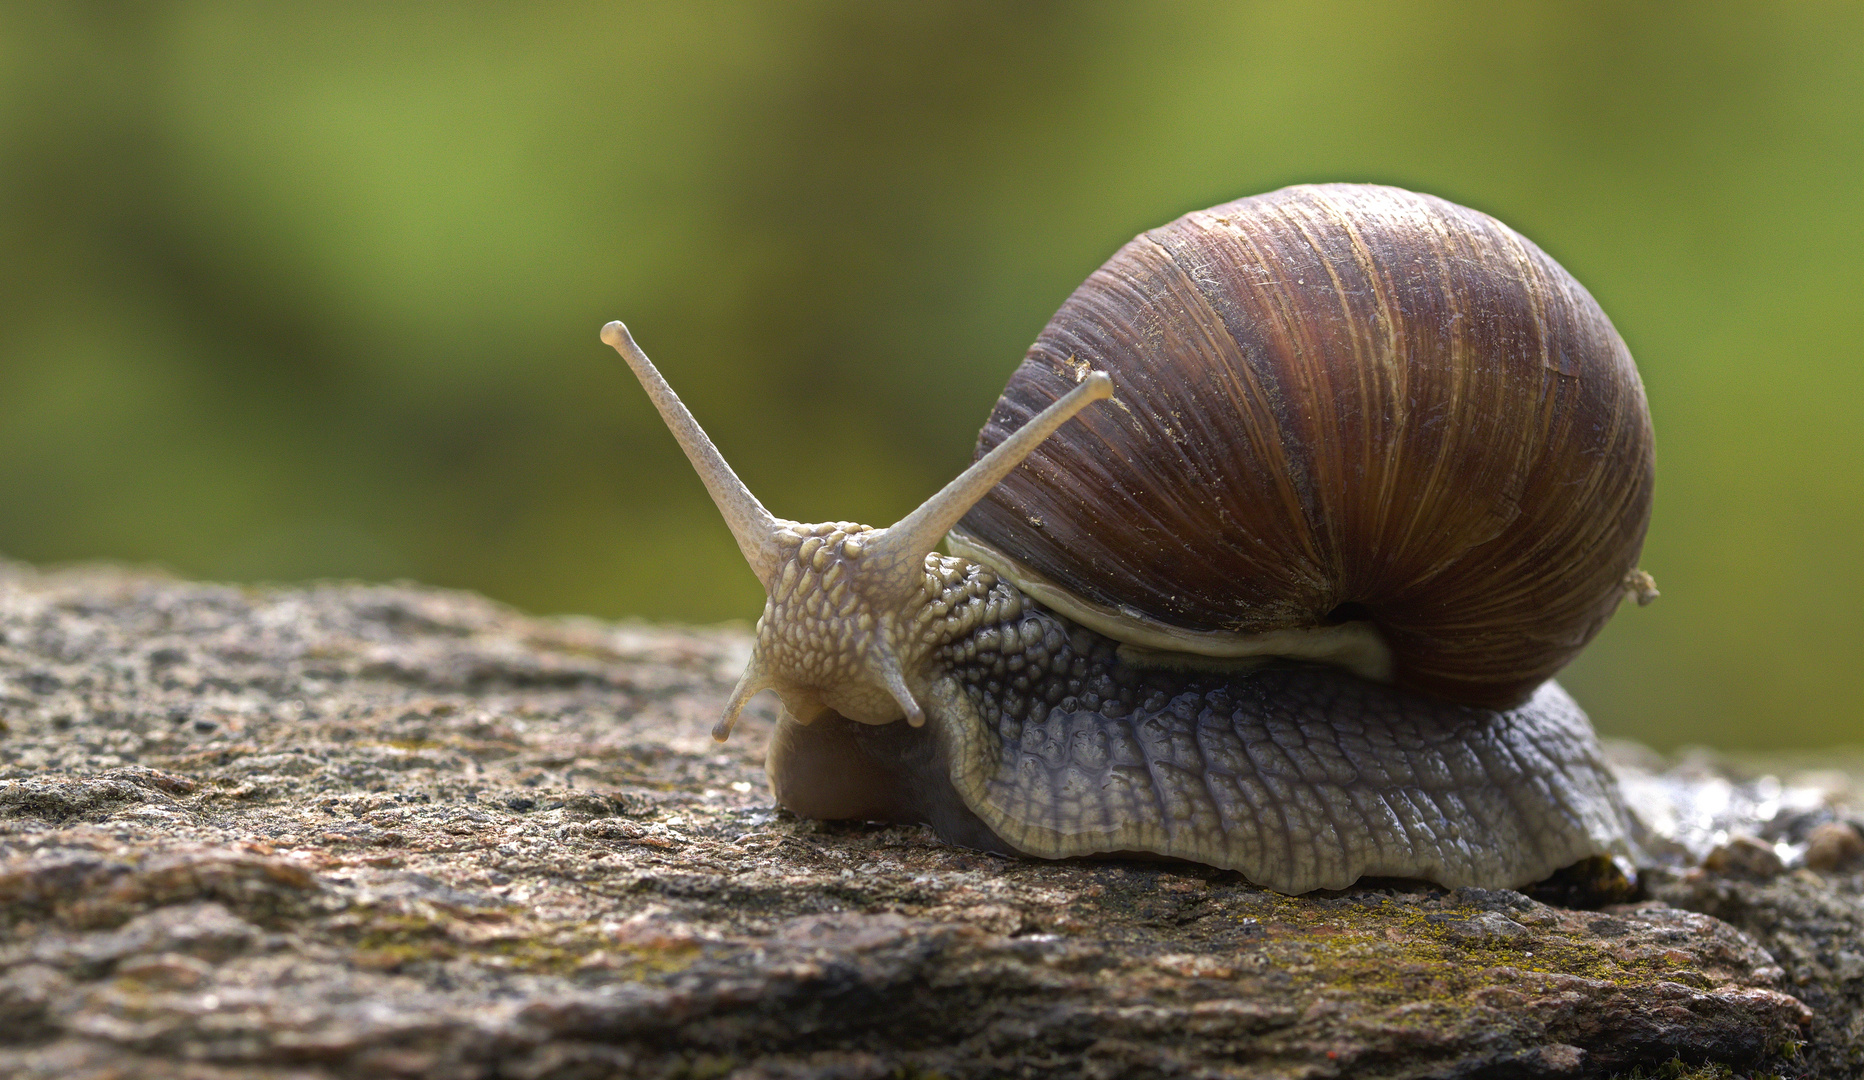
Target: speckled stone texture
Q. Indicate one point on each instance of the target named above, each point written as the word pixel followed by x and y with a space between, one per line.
pixel 352 831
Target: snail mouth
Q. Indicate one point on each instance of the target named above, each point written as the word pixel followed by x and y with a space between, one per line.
pixel 1353 643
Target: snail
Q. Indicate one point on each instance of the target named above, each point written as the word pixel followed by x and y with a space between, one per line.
pixel 1368 469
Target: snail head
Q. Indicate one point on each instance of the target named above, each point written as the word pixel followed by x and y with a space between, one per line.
pixel 837 631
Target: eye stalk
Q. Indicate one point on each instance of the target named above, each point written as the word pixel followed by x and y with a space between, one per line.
pixel 749 522
pixel 836 629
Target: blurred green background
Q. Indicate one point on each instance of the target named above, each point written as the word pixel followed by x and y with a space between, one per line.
pixel 297 291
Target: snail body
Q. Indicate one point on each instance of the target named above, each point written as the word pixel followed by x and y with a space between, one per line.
pixel 1288 605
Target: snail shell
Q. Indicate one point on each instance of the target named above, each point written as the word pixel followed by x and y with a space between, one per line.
pixel 1341 405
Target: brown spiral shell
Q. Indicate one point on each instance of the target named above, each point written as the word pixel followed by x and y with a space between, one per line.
pixel 1339 401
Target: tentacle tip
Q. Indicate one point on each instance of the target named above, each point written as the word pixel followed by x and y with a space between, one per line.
pixel 903 697
pixel 615 335
pixel 721 731
pixel 1099 385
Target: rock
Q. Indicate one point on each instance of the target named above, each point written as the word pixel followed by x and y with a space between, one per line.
pixel 370 831
pixel 1834 845
pixel 1745 856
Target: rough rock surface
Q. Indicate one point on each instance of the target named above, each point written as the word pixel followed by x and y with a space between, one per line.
pixel 396 831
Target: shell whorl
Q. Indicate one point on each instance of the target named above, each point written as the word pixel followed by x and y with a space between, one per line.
pixel 1339 402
